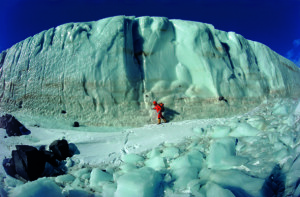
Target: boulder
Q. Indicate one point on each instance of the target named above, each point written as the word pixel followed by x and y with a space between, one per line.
pixel 60 148
pixel 50 158
pixel 76 124
pixel 13 126
pixel 29 162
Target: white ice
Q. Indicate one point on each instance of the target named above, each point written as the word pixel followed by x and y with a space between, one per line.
pixel 108 72
pixel 202 157
pixel 105 74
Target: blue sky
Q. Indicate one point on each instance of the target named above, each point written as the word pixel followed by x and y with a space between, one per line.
pixel 275 23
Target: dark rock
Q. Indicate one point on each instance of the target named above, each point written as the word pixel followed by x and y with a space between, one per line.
pixel 221 98
pixel 60 148
pixel 9 167
pixel 29 162
pixel 20 104
pixel 76 124
pixel 13 130
pixel 4 120
pixel 13 126
pixel 50 158
pixel 73 149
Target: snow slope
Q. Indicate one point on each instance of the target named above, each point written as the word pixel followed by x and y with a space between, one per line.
pixel 108 72
pixel 253 154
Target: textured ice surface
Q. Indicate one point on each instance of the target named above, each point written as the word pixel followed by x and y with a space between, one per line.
pixel 220 131
pixel 107 72
pixel 41 187
pixel 244 129
pixel 175 159
pixel 212 189
pixel 144 182
pixel 99 177
pixel 222 154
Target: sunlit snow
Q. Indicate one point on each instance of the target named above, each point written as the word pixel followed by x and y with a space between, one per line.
pixel 232 107
pixel 205 157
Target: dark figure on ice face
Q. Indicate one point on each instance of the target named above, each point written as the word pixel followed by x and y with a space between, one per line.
pixel 159 109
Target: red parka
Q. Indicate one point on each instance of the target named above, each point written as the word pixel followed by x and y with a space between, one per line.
pixel 158 110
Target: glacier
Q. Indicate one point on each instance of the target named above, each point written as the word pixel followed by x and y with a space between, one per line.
pixel 253 154
pixel 108 72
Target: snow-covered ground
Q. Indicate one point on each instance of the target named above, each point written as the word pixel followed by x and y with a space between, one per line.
pixel 252 154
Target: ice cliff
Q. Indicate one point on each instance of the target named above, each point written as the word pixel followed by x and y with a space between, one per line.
pixel 109 71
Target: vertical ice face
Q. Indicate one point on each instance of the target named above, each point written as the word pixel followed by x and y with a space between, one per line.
pixel 155 53
pixel 108 71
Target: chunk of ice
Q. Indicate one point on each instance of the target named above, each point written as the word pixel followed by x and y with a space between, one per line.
pixel 132 158
pixel 143 182
pixel 41 187
pixel 213 189
pixel 157 163
pixel 222 154
pixel 99 177
pixel 244 129
pixel 220 131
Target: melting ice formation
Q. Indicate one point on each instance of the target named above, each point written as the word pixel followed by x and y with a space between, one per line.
pixel 107 71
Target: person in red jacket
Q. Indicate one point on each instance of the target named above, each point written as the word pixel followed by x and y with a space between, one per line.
pixel 158 109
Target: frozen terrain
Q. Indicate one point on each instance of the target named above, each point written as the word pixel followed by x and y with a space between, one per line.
pixel 108 72
pixel 232 104
pixel 253 154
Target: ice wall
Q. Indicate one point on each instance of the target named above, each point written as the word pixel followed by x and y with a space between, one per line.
pixel 109 71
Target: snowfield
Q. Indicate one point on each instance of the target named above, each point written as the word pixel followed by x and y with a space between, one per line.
pixel 251 154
